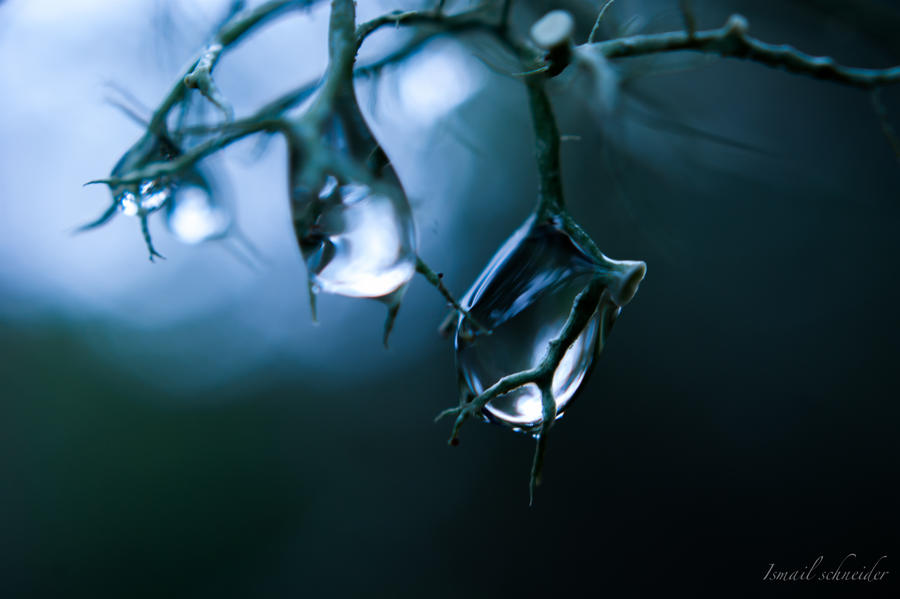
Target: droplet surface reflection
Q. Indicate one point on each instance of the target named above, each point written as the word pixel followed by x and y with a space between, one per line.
pixel 361 244
pixel 150 197
pixel 524 297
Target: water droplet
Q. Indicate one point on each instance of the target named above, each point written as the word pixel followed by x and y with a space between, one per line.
pixel 128 203
pixel 524 296
pixel 361 242
pixel 357 237
pixel 148 195
pixel 194 215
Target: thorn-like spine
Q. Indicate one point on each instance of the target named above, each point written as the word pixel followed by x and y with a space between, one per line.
pixel 548 417
pixel 104 218
pixel 392 311
pixel 145 230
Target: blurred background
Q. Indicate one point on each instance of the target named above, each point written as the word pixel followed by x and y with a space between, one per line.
pixel 183 429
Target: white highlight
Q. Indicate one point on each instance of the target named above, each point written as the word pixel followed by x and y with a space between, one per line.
pixel 436 81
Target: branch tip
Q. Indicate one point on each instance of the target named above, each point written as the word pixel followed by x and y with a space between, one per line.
pixel 737 24
pixel 596 28
pixel 393 309
pixel 107 182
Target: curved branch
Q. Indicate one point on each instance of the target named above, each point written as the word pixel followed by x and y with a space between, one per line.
pixel 154 170
pixel 471 19
pixel 230 33
pixel 732 41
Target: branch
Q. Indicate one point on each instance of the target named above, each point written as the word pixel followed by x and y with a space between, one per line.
pixel 231 32
pixel 436 280
pixel 268 117
pixel 546 149
pixel 200 78
pixel 732 41
pixel 156 170
pixel 596 28
pixel 342 50
pixel 476 18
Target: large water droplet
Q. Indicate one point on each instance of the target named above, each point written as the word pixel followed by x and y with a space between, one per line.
pixel 524 296
pixel 357 237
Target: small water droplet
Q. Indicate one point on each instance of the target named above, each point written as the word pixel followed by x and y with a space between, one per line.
pixel 149 195
pixel 524 296
pixel 194 215
pixel 127 203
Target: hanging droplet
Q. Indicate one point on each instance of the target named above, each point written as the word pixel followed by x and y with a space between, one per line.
pixel 198 211
pixel 357 237
pixel 524 297
pixel 149 195
pixel 362 241
pixel 193 216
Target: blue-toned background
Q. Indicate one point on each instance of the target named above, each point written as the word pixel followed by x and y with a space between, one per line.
pixel 183 429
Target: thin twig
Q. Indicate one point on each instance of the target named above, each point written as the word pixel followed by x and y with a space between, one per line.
pixel 548 417
pixel 127 111
pixel 546 147
pixel 687 15
pixel 182 162
pixel 436 280
pixel 732 41
pixel 596 28
pixel 472 19
pixel 231 32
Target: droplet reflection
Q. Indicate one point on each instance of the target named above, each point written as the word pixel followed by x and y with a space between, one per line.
pixel 150 197
pixel 359 245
